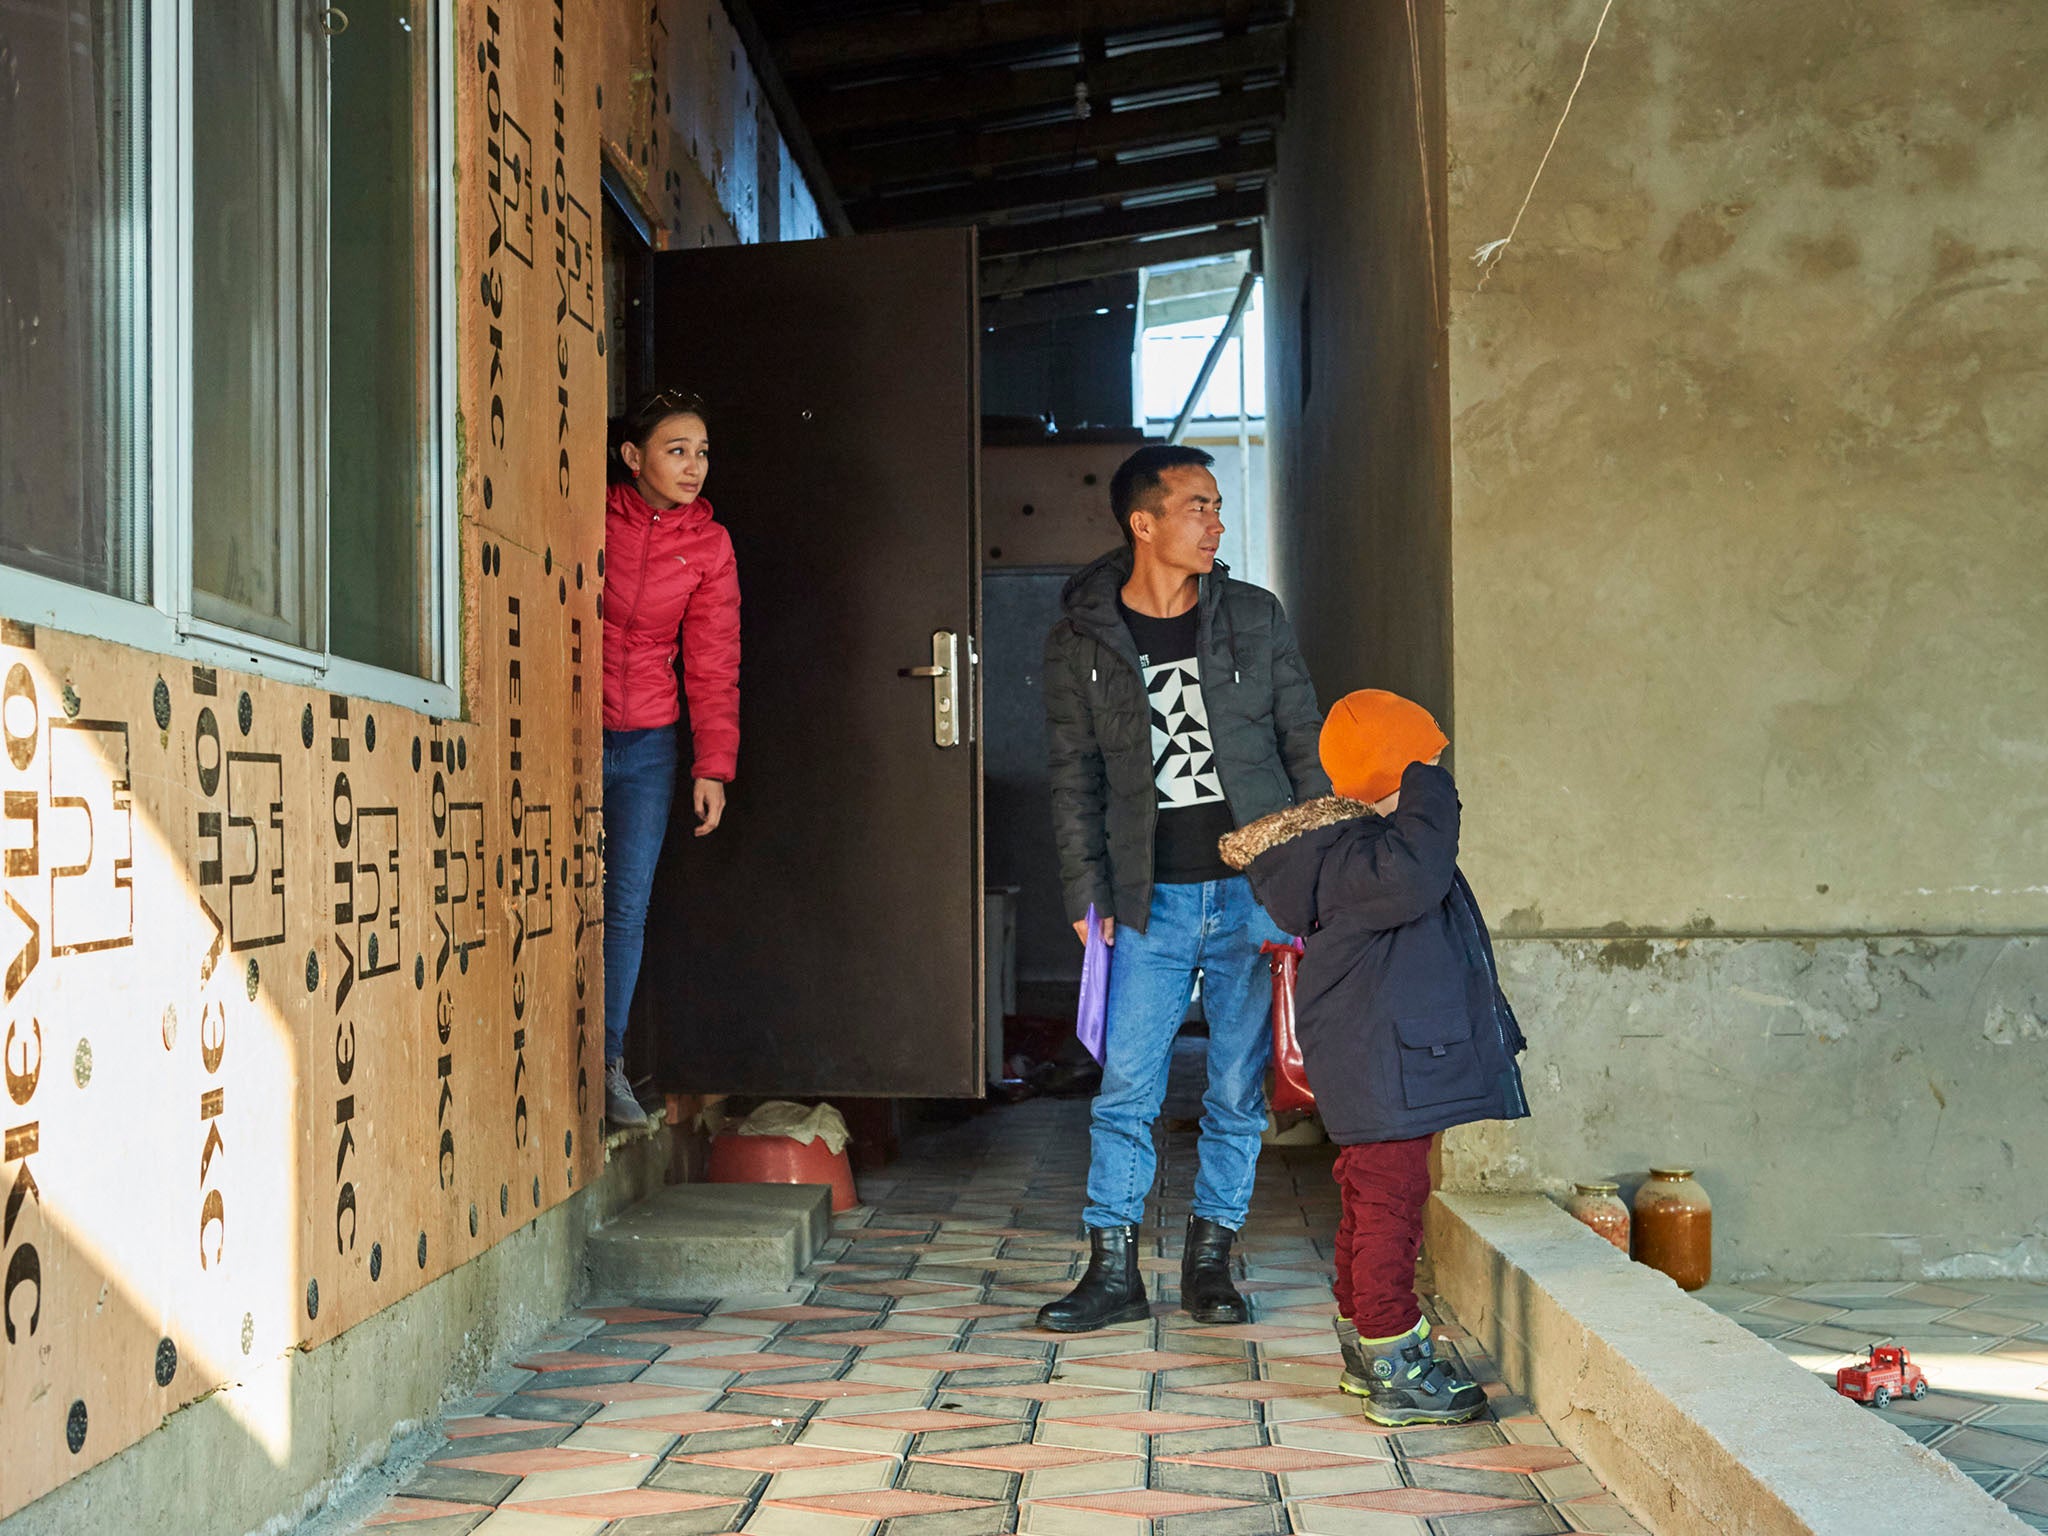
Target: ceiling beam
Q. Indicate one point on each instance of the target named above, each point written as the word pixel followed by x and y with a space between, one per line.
pixel 857 172
pixel 1046 269
pixel 1203 282
pixel 1186 311
pixel 1123 223
pixel 1025 194
pixel 968 27
pixel 994 91
pixel 1116 292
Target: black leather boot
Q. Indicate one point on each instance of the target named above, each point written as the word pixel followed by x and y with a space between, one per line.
pixel 1206 1293
pixel 1111 1292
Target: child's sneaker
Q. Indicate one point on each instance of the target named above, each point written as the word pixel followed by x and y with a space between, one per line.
pixel 1403 1382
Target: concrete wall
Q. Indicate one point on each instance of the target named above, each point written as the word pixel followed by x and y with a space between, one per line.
pixel 1355 383
pixel 1748 433
pixel 1747 428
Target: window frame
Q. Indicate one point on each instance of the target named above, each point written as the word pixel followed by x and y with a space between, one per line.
pixel 165 623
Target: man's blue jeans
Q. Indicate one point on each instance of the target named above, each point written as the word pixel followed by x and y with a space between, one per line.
pixel 639 787
pixel 1216 929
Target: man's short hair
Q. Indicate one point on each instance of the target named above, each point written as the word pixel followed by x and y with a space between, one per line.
pixel 1138 478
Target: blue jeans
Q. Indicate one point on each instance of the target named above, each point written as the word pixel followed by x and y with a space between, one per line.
pixel 639 787
pixel 1216 929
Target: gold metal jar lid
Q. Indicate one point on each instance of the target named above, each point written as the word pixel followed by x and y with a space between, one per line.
pixel 1671 1173
pixel 1597 1188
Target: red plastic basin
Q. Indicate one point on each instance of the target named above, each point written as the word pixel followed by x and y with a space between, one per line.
pixel 737 1159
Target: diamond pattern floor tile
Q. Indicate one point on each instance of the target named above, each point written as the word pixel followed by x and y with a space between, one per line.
pixel 1043 1392
pixel 1153 1360
pixel 1507 1458
pixel 1162 1427
pixel 1026 1457
pixel 780 1458
pixel 1270 1458
pixel 815 1391
pixel 1433 1502
pixel 883 1503
pixel 401 1510
pixel 763 1361
pixel 625 1501
pixel 1151 1503
pixel 1150 1421
pixel 526 1463
pixel 943 1363
pixel 919 1420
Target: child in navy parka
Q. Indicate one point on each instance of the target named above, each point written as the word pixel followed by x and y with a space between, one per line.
pixel 1404 1031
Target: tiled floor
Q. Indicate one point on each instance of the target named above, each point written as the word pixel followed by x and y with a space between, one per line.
pixel 1982 1343
pixel 901 1388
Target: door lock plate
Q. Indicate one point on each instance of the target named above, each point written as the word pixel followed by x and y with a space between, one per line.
pixel 944 673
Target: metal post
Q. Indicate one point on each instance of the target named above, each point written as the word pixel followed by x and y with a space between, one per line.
pixel 1244 465
pixel 1187 411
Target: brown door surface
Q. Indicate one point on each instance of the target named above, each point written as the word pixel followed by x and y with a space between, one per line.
pixel 828 939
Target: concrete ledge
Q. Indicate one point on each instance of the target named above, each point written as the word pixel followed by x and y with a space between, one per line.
pixel 1701 1428
pixel 710 1240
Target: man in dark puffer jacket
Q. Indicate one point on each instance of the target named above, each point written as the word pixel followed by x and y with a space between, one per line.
pixel 1177 709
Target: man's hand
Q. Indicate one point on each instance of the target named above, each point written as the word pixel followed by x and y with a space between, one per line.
pixel 1108 931
pixel 709 798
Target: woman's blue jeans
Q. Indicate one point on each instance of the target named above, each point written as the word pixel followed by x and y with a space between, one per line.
pixel 1214 928
pixel 639 788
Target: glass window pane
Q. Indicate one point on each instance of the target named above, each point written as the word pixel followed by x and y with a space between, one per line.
pixel 256 550
pixel 1172 356
pixel 74 356
pixel 382 168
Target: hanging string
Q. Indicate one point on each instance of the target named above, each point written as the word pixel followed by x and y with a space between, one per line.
pixel 1436 303
pixel 1488 256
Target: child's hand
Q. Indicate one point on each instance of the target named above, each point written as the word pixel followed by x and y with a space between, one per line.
pixel 1392 803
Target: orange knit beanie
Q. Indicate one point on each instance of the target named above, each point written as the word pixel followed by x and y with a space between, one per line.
pixel 1370 738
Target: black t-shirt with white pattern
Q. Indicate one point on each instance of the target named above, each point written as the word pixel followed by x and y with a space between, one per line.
pixel 1193 813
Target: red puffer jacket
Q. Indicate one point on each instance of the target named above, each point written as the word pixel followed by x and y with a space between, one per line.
pixel 669 577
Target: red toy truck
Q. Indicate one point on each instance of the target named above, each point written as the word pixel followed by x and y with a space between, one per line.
pixel 1889 1372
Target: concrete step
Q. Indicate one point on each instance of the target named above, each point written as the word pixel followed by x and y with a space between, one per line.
pixel 710 1240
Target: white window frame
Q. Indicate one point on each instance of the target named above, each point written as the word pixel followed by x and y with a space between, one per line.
pixel 166 624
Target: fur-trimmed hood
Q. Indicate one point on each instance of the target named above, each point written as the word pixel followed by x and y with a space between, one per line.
pixel 1402 1025
pixel 1239 848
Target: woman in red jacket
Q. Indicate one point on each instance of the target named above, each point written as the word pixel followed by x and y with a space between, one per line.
pixel 669 585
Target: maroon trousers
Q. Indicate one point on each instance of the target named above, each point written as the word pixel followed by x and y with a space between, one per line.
pixel 1385 1184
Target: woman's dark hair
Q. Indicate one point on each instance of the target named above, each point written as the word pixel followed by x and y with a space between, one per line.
pixel 639 422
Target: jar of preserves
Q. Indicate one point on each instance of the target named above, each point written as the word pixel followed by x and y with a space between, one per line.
pixel 1599 1206
pixel 1674 1227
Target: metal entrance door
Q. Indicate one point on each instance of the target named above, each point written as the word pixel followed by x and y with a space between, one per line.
pixel 828 938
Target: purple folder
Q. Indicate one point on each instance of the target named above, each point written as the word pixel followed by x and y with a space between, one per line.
pixel 1091 1020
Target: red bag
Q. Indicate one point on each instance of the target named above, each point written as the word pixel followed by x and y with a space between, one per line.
pixel 1291 1091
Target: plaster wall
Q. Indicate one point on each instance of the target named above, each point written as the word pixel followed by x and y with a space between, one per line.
pixel 1750 425
pixel 1749 429
pixel 1747 424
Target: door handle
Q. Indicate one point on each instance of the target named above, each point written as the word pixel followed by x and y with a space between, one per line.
pixel 944 674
